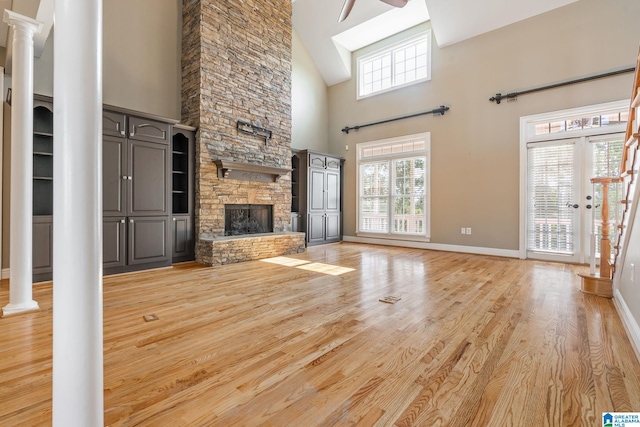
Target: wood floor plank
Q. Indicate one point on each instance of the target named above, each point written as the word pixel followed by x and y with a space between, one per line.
pixel 304 341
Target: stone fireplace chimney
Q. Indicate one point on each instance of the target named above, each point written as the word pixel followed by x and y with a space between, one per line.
pixel 236 66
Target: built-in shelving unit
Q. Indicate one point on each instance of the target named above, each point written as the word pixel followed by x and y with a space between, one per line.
pixel 42 161
pixel 180 171
pixel 182 192
pixel 295 183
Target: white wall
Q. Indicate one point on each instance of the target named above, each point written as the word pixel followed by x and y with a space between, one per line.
pixel 628 277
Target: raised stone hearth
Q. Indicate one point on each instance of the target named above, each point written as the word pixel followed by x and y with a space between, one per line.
pixel 228 250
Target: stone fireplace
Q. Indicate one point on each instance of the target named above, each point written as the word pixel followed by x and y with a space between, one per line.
pixel 241 220
pixel 236 68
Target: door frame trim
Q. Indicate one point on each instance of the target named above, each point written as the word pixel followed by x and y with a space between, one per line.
pixel 525 138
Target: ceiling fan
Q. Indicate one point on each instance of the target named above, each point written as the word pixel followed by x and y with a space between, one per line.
pixel 348 5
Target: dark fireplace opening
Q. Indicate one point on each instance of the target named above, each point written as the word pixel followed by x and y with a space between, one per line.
pixel 247 219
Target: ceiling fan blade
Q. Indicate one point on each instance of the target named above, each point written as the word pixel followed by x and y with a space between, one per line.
pixel 396 3
pixel 346 9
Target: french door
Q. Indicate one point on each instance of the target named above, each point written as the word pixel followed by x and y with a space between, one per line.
pixel 562 204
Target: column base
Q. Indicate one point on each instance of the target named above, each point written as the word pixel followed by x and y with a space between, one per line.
pixel 13 309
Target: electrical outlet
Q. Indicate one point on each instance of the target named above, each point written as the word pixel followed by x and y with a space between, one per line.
pixel 468 230
pixel 463 230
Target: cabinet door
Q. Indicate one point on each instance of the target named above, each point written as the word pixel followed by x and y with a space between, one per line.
pixel 317 160
pixel 148 130
pixel 332 163
pixel 113 124
pixel 42 240
pixel 315 228
pixel 148 240
pixel 332 227
pixel 149 187
pixel 113 242
pixel 114 177
pixel 316 190
pixel 332 189
pixel 183 243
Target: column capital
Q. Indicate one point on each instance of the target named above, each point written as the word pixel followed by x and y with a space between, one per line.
pixel 22 22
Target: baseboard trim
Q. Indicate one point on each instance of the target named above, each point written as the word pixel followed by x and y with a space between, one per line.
pixel 6 273
pixel 628 321
pixel 476 250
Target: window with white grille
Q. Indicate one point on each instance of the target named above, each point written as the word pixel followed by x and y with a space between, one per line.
pixel 397 66
pixel 393 186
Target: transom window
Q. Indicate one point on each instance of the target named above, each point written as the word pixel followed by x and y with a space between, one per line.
pixel 400 65
pixel 393 186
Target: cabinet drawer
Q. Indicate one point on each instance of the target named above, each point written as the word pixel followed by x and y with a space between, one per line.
pixel 148 130
pixel 113 124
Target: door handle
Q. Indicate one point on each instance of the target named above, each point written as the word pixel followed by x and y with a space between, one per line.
pixel 588 206
pixel 574 206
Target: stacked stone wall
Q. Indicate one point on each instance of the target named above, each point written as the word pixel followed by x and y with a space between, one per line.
pixel 236 61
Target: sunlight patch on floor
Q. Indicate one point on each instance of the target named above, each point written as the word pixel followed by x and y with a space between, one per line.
pixel 318 267
pixel 287 262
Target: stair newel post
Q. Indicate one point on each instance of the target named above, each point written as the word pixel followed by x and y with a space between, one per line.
pixel 605 244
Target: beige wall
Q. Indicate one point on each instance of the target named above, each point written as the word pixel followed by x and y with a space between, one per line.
pixel 141 57
pixel 475 146
pixel 309 101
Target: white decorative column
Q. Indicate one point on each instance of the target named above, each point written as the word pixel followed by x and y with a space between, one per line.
pixel 77 215
pixel 21 210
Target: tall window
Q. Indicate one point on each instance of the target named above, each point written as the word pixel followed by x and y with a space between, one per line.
pixel 393 186
pixel 400 65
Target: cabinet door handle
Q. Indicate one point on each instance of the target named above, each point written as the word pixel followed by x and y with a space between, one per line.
pixel 122 221
pixel 125 177
pixel 131 221
pixel 132 134
pixel 123 133
pixel 130 178
pixel 175 219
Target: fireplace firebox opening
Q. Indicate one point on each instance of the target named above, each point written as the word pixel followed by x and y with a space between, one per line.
pixel 247 219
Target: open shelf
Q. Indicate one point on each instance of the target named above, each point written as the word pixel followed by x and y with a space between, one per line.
pixel 42 161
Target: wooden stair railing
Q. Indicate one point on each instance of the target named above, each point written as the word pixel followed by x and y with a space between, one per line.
pixel 602 284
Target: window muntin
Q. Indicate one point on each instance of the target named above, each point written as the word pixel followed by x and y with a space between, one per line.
pixel 400 65
pixel 393 178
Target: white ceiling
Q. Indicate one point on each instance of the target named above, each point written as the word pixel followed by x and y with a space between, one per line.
pixel 457 20
pixel 330 43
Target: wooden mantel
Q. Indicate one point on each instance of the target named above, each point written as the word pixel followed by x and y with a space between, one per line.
pixel 249 172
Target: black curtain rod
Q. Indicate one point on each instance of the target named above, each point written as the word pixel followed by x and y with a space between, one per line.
pixel 499 97
pixel 436 111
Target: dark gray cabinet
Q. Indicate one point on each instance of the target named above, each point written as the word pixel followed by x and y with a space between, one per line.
pixel 114 242
pixel 182 192
pixel 316 190
pixel 42 239
pixel 136 184
pixel 148 178
pixel 148 240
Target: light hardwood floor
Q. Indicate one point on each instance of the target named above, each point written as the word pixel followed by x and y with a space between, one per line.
pixel 304 341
